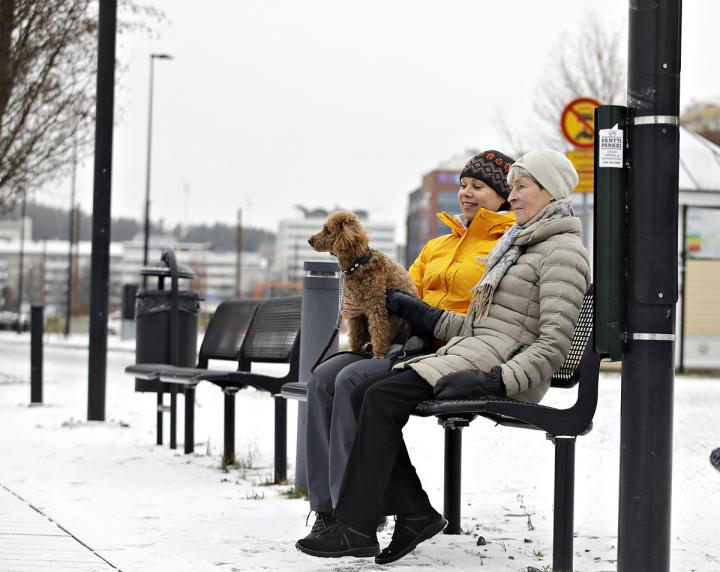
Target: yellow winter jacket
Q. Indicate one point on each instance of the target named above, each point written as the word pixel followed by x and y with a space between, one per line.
pixel 450 265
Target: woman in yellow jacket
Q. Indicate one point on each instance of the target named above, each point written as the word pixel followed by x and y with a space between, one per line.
pixel 444 274
pixel 450 265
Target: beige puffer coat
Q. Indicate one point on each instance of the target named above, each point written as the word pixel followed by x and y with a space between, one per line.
pixel 532 317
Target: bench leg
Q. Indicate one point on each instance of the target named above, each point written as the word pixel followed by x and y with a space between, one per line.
pixel 453 465
pixel 189 391
pixel 280 440
pixel 173 417
pixel 564 504
pixel 159 418
pixel 229 444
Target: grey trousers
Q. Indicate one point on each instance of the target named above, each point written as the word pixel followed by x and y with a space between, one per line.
pixel 330 429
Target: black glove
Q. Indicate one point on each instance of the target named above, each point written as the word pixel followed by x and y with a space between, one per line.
pixel 421 316
pixel 470 384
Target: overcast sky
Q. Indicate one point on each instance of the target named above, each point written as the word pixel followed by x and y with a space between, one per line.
pixel 272 103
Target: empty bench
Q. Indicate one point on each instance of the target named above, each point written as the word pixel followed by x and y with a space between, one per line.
pixel 562 426
pixel 246 332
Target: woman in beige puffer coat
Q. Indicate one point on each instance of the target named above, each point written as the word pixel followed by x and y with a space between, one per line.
pixel 528 318
pixel 530 323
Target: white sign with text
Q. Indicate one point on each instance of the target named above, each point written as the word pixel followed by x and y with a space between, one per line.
pixel 611 148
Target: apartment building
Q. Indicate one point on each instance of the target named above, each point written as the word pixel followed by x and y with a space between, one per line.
pixel 292 248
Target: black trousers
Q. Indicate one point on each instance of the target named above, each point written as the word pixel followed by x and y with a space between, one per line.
pixel 379 478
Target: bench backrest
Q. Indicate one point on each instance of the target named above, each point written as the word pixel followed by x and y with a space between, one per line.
pixel 274 332
pixel 569 373
pixel 226 331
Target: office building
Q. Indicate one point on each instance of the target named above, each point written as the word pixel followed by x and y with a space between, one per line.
pixel 292 248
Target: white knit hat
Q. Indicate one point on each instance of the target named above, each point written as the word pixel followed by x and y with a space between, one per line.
pixel 551 169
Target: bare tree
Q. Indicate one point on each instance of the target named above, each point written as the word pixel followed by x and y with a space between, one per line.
pixel 48 58
pixel 589 63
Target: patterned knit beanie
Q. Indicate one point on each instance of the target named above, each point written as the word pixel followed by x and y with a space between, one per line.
pixel 490 167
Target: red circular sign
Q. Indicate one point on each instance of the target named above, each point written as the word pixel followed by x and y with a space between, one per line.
pixel 578 122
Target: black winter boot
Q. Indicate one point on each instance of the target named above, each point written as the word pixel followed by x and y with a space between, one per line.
pixel 341 539
pixel 323 521
pixel 410 530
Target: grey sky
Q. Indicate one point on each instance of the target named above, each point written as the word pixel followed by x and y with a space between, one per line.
pixel 271 103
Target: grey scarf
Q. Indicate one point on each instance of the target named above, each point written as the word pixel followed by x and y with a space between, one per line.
pixel 506 252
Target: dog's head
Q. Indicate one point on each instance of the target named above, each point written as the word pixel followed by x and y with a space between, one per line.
pixel 342 235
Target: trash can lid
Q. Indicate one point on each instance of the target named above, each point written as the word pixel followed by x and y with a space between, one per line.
pixel 158 270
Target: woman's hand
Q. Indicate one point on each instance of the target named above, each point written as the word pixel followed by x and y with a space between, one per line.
pixel 421 316
pixel 351 309
pixel 470 384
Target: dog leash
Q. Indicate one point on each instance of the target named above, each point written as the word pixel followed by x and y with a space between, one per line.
pixel 357 263
pixel 341 291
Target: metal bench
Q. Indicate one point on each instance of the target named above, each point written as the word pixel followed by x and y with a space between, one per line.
pixel 247 332
pixel 562 426
pixel 222 341
pixel 273 337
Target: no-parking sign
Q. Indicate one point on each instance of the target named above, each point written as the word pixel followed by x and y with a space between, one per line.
pixel 578 122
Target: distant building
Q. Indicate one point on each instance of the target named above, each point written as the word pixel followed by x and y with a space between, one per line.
pixel 13 229
pixel 45 273
pixel 437 193
pixel 215 271
pixel 46 268
pixel 292 248
pixel 703 118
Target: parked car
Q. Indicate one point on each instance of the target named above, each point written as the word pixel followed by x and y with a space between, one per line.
pixel 9 321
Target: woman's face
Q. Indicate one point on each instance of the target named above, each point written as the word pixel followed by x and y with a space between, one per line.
pixel 474 194
pixel 527 199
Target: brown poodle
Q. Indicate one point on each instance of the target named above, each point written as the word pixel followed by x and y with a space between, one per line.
pixel 367 274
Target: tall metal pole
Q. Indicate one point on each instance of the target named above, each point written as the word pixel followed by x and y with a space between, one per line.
pixel 71 236
pixel 238 255
pixel 102 186
pixel 148 156
pixel 43 274
pixel 148 159
pixel 21 261
pixel 646 420
pixel 76 259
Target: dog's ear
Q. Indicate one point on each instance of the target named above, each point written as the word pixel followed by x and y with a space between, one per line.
pixel 351 238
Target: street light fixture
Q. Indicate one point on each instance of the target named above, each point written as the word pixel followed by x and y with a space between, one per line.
pixel 153 57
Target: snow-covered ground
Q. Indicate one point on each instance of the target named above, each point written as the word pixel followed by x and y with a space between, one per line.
pixel 144 507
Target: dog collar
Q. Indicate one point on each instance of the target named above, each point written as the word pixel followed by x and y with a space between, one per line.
pixel 364 259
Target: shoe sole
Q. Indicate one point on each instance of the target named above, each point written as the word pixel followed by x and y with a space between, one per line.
pixel 715 458
pixel 428 532
pixel 363 552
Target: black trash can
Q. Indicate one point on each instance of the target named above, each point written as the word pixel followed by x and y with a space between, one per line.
pixel 155 335
pixel 152 322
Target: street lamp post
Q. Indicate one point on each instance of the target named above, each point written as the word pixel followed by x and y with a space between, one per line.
pixel 153 57
pixel 21 261
pixel 71 236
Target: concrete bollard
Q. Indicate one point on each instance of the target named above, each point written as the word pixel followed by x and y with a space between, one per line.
pixel 36 353
pixel 319 315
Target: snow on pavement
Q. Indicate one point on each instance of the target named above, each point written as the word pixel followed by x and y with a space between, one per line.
pixel 144 507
